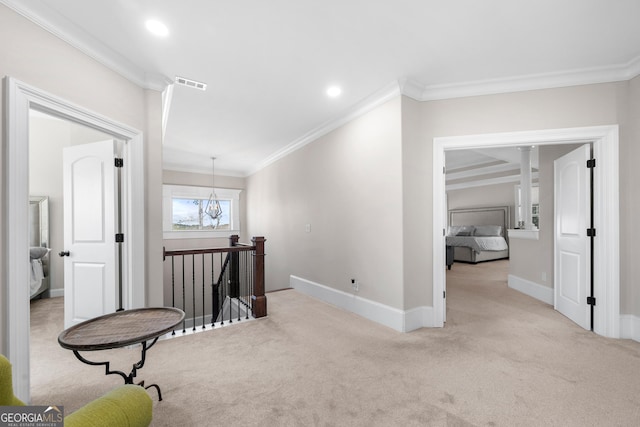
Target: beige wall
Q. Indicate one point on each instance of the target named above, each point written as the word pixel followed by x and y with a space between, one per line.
pixel 284 182
pixel 347 186
pixel 630 198
pixel 36 57
pixel 290 193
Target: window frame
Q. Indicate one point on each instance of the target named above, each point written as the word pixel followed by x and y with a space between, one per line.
pixel 169 192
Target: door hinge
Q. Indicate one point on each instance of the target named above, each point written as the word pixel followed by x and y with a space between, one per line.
pixel 591 300
pixel 591 232
pixel 119 237
pixel 119 162
pixel 591 163
pixel 444 294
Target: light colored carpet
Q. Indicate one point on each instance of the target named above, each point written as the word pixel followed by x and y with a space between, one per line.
pixel 503 359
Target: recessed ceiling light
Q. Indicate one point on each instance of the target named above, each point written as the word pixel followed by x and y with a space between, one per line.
pixel 157 28
pixel 334 91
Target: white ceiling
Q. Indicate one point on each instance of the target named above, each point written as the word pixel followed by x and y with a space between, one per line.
pixel 267 64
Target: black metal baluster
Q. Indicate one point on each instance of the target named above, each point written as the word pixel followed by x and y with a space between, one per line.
pixel 173 287
pixel 203 322
pixel 184 307
pixel 246 285
pixel 193 291
pixel 223 292
pixel 214 291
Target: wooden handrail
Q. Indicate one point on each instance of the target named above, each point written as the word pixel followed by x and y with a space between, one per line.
pixel 258 298
pixel 243 248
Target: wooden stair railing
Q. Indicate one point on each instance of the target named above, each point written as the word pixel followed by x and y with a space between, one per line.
pixel 240 279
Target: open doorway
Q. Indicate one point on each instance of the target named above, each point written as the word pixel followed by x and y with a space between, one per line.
pixel 49 137
pixel 605 145
pixel 20 99
pixel 483 189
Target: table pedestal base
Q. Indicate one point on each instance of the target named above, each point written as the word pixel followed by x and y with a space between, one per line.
pixel 128 379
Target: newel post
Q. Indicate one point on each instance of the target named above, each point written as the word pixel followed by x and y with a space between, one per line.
pixel 258 299
pixel 234 268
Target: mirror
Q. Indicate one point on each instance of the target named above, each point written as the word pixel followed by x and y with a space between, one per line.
pixel 39 238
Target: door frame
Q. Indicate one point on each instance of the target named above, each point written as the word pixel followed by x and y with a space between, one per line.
pixel 606 210
pixel 20 98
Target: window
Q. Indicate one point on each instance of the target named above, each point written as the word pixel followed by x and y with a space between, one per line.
pixel 190 212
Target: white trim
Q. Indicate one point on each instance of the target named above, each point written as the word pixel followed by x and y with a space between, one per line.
pixel 535 290
pixel 523 234
pixel 401 321
pixel 373 101
pixel 607 246
pixel 55 293
pixel 630 327
pixel 594 75
pixel 20 97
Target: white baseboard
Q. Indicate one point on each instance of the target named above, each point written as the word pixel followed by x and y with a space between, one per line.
pixel 630 327
pixel 54 293
pixel 539 292
pixel 402 321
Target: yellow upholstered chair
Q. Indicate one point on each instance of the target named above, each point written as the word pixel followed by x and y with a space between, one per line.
pixel 127 405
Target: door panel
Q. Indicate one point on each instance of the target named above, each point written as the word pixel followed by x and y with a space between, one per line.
pixel 572 265
pixel 90 280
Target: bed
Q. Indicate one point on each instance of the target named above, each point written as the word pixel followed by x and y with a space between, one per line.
pixel 478 234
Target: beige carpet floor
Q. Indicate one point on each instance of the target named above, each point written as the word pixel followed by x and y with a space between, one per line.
pixel 503 359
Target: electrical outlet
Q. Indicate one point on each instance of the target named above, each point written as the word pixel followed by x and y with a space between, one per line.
pixel 355 285
pixel 307 228
pixel 544 276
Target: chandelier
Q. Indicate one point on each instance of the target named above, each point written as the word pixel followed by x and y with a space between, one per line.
pixel 213 209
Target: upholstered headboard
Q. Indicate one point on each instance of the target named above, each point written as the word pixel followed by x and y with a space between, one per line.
pixel 495 215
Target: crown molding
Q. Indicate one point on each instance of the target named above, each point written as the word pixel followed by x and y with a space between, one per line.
pixel 75 36
pixel 614 73
pixel 177 167
pixel 374 100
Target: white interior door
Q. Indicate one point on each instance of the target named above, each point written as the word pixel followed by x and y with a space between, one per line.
pixel 90 251
pixel 572 265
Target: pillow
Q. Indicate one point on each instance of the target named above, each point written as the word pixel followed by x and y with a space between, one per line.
pixel 488 230
pixel 36 252
pixel 453 230
pixel 461 230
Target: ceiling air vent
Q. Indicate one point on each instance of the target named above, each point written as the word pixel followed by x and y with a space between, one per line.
pixel 191 83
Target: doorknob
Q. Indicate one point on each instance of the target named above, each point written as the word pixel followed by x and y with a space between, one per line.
pixel 64 253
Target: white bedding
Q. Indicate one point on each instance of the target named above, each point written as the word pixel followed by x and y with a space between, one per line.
pixel 479 243
pixel 36 270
